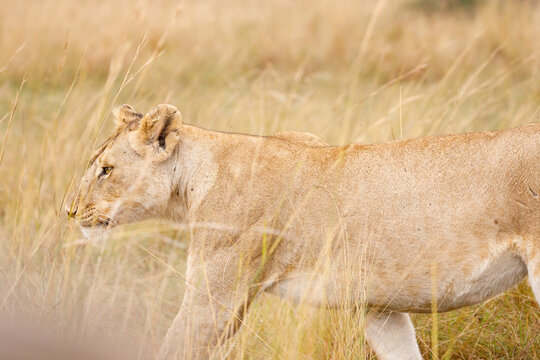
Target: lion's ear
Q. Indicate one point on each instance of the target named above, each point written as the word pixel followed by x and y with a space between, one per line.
pixel 158 131
pixel 126 114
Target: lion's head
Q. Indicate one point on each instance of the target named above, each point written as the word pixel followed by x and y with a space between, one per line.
pixel 131 176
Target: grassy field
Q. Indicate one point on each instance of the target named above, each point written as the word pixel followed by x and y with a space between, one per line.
pixel 348 71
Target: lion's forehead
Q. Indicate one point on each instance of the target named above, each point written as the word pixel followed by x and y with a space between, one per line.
pixel 101 149
pixel 111 141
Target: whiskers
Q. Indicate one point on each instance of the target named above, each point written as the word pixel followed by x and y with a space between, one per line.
pixel 91 217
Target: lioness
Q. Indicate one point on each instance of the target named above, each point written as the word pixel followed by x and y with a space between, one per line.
pixel 448 221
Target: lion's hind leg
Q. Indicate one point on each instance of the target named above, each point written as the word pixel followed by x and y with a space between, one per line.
pixel 533 269
pixel 391 336
pixel 531 255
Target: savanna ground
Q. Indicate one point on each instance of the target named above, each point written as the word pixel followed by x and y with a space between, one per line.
pixel 348 71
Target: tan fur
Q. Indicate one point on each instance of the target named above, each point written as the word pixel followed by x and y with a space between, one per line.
pixel 330 226
pixel 300 138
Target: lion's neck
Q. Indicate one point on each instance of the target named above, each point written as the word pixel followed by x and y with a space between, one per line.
pixel 194 172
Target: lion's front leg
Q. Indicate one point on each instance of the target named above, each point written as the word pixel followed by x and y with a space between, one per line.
pixel 216 298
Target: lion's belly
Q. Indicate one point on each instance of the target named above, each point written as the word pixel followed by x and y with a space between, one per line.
pixel 492 278
pixel 455 289
pixel 413 293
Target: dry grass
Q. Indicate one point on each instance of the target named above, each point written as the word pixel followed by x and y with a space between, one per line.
pixel 349 71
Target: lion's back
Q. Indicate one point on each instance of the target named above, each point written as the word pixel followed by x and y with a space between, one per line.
pixel 303 138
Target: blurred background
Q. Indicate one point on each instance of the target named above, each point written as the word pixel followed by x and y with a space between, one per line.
pixel 347 71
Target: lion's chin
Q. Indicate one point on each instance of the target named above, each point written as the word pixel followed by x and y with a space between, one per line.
pixel 97 235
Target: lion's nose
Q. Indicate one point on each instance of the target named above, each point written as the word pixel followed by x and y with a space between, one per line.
pixel 71 210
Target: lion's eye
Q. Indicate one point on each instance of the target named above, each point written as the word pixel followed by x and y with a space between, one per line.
pixel 106 170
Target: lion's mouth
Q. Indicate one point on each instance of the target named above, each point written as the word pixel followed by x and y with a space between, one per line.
pixel 106 223
pixel 91 220
pixel 97 228
pixel 103 224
